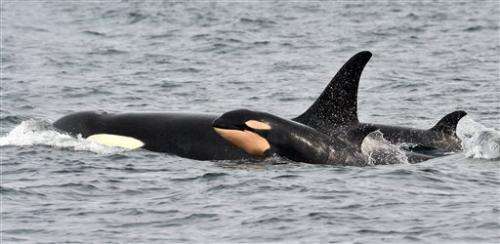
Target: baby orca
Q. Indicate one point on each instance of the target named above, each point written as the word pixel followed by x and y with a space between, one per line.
pixel 263 134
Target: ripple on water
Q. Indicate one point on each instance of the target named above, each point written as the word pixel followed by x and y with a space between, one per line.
pixel 204 177
pixel 93 33
pixel 107 52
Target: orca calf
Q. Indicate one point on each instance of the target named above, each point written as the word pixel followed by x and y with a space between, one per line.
pixel 263 134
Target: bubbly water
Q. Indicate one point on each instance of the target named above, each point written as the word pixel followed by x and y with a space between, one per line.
pixel 381 151
pixel 430 58
pixel 478 141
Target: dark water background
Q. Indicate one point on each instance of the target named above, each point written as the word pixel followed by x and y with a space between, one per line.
pixel 429 59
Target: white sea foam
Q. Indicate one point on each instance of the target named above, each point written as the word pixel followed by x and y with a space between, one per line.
pixel 381 151
pixel 478 141
pixel 35 132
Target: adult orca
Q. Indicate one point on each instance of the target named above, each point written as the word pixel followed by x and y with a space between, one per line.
pixel 335 113
pixel 182 134
pixel 185 135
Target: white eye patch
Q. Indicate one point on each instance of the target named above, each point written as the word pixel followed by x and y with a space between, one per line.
pixel 116 141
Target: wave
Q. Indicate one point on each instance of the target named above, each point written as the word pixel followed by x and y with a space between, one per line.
pixel 478 141
pixel 37 132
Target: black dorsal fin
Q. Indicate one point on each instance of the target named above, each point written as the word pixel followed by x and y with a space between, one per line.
pixel 358 134
pixel 448 124
pixel 337 105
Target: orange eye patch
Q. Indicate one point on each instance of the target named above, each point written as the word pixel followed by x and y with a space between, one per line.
pixel 254 124
pixel 249 141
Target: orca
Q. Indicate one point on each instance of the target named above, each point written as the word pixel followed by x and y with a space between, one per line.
pixel 335 113
pixel 183 134
pixel 263 135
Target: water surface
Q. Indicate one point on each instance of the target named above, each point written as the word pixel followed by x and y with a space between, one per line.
pixel 429 59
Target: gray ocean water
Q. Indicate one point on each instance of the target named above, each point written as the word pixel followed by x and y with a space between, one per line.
pixel 429 59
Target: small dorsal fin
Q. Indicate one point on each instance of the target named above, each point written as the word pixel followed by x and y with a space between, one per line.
pixel 448 123
pixel 337 105
pixel 358 134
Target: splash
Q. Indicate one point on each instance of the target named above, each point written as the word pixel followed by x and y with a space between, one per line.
pixel 35 132
pixel 478 141
pixel 381 151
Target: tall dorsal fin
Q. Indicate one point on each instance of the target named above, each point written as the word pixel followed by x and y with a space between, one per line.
pixel 448 124
pixel 337 105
